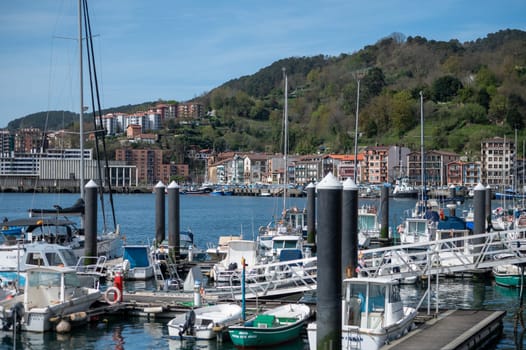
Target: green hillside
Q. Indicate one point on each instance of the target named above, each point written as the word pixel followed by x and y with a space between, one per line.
pixel 471 90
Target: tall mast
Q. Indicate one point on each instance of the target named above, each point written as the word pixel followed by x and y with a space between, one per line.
pixel 285 141
pixel 422 154
pixel 356 131
pixel 81 112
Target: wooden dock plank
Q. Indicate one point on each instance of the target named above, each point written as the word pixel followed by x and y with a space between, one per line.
pixel 451 330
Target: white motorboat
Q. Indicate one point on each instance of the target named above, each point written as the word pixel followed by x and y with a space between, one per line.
pixel 52 295
pixel 372 314
pixel 230 267
pixel 16 259
pixel 138 263
pixel 204 322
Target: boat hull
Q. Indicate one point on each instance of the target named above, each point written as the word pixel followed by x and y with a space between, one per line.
pixel 248 337
pixel 276 326
pixel 512 281
pixel 209 322
pixel 356 338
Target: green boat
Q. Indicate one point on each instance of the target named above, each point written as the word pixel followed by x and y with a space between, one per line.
pixel 508 275
pixel 272 327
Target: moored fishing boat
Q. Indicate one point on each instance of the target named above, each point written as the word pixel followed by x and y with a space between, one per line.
pixel 372 314
pixel 51 295
pixel 279 325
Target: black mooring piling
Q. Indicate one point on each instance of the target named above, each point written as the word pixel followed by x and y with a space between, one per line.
pixel 90 222
pixel 329 281
pixel 311 213
pixel 159 212
pixel 479 214
pixel 384 203
pixel 349 229
pixel 173 219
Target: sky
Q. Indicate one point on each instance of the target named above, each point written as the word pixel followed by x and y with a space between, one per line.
pixel 177 50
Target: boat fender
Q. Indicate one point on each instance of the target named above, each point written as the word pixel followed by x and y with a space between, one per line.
pixel 125 266
pixel 63 326
pixel 78 316
pixel 112 291
pixel 217 328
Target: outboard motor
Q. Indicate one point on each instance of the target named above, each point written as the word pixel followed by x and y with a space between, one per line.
pixel 188 324
pixel 17 312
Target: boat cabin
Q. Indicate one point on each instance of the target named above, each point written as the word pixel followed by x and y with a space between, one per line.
pixel 371 302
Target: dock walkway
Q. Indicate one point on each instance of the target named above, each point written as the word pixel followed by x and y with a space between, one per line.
pixel 454 330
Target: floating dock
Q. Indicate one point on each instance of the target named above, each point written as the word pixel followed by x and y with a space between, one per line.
pixel 453 330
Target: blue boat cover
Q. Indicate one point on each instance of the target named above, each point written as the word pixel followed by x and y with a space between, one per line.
pixel 137 256
pixel 452 223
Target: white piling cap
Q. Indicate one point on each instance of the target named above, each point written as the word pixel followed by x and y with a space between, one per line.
pixel 159 185
pixel 173 184
pixel 349 184
pixel 329 182
pixel 479 187
pixel 91 184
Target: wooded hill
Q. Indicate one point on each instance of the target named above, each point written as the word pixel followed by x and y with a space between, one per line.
pixel 471 91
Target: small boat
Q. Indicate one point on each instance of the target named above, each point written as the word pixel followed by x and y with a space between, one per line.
pixel 219 251
pixel 402 189
pixel 229 269
pixel 272 327
pixel 372 314
pixel 15 260
pixel 52 295
pixel 137 264
pixel 187 248
pixel 204 322
pixel 368 225
pixel 508 275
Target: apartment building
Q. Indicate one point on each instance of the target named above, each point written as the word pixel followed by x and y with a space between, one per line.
pixel 150 166
pixel 435 165
pixel 497 162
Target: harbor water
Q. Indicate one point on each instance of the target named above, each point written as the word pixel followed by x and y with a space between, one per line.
pixel 210 217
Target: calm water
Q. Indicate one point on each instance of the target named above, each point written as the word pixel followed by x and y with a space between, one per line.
pixel 210 217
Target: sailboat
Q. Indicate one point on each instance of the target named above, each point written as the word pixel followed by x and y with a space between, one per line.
pixel 109 243
pixel 293 220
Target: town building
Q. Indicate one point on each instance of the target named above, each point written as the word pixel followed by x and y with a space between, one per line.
pixel 497 162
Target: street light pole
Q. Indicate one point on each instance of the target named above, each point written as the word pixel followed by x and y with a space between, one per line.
pixel 358 77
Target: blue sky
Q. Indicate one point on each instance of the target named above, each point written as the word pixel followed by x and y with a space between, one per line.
pixel 172 49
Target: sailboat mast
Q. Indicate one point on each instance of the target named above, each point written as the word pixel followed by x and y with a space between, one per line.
pixel 81 113
pixel 285 141
pixel 356 131
pixel 422 154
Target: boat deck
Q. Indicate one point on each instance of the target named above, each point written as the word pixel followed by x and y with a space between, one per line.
pixel 455 329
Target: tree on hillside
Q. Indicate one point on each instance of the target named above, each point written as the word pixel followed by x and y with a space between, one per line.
pixel 445 88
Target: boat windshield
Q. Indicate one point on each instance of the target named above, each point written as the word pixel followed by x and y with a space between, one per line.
pixel 366 222
pixel 69 258
pixel 71 280
pixel 376 300
pixel 416 227
pixel 48 279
